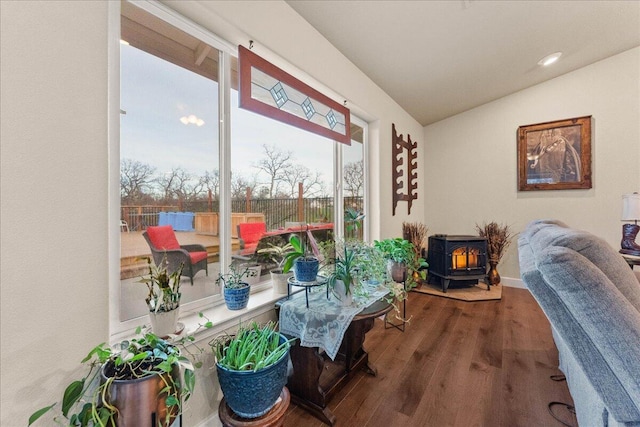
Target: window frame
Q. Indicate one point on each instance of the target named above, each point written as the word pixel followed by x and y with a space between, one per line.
pixel 117 327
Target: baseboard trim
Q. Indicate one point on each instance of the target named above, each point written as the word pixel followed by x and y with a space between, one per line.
pixel 512 282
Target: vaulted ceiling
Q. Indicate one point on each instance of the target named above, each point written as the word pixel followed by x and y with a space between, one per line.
pixel 439 58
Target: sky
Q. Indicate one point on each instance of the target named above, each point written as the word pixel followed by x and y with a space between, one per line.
pixel 155 94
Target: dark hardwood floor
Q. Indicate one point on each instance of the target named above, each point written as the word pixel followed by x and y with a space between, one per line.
pixel 457 364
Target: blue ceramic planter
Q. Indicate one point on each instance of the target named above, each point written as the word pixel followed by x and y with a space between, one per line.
pixel 237 299
pixel 252 394
pixel 306 270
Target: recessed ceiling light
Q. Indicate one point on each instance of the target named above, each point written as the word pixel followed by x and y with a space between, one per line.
pixel 550 59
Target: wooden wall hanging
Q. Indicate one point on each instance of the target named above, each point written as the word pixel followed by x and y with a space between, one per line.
pixel 399 146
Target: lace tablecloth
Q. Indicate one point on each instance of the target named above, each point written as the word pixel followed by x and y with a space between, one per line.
pixel 324 323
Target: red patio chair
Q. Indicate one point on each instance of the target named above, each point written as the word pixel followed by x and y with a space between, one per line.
pixel 249 234
pixel 162 240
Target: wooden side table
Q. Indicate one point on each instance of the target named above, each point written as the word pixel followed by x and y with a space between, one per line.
pixel 273 418
pixel 316 378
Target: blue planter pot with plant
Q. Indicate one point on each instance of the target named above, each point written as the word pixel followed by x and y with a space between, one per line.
pixel 306 269
pixel 252 381
pixel 237 298
pixel 236 289
pixel 305 263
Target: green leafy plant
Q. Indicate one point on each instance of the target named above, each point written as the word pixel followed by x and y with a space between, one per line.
pixel 235 278
pixel 301 249
pixel 370 263
pixel 276 254
pixel 252 348
pixel 402 251
pixel 164 288
pixel 396 249
pixel 344 269
pixel 85 402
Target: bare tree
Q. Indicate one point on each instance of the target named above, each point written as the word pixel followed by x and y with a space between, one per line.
pixel 312 183
pixel 181 185
pixel 239 186
pixel 211 182
pixel 354 178
pixel 274 165
pixel 135 180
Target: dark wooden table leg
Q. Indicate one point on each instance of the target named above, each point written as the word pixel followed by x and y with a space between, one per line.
pixel 304 385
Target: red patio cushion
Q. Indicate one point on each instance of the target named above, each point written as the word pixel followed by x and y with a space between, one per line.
pixel 196 257
pixel 251 232
pixel 163 237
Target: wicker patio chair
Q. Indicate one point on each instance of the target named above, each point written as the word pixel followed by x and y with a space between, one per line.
pixel 162 240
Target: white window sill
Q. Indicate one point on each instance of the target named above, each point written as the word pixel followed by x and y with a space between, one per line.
pixel 261 301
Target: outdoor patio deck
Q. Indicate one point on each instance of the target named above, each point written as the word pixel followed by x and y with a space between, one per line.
pixel 133 247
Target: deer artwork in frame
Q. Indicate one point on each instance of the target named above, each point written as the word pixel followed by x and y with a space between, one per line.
pixel 404 179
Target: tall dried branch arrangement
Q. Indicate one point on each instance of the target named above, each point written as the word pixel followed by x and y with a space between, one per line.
pixel 498 238
pixel 416 233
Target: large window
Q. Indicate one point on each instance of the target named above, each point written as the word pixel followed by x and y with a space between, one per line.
pixel 179 167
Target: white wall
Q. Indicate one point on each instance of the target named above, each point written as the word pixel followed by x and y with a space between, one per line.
pixel 480 145
pixel 54 176
pixel 54 289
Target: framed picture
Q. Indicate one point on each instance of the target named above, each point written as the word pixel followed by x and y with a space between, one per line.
pixel 555 155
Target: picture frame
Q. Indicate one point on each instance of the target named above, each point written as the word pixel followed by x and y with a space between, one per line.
pixel 555 155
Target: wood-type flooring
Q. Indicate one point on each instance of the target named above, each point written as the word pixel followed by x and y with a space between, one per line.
pixel 457 364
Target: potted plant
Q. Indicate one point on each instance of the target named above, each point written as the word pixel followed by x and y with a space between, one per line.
pixel 305 263
pixel 403 260
pixel 276 254
pixel 235 287
pixel 498 239
pixel 342 278
pixel 163 299
pixel 130 384
pixel 252 368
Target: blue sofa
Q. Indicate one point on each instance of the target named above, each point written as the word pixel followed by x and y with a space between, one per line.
pixel 592 300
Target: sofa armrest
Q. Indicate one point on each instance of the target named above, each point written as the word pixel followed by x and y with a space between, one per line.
pixel 598 324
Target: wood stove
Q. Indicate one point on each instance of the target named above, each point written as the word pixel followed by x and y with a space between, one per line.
pixel 462 259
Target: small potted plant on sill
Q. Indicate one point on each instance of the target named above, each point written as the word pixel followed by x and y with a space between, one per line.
pixel 163 299
pixel 235 287
pixel 276 254
pixel 252 368
pixel 305 263
pixel 148 368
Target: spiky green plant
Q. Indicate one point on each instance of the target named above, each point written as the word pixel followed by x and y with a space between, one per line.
pixel 252 348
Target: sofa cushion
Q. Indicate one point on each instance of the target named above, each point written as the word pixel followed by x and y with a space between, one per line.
pixel 163 237
pixel 599 325
pixel 545 233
